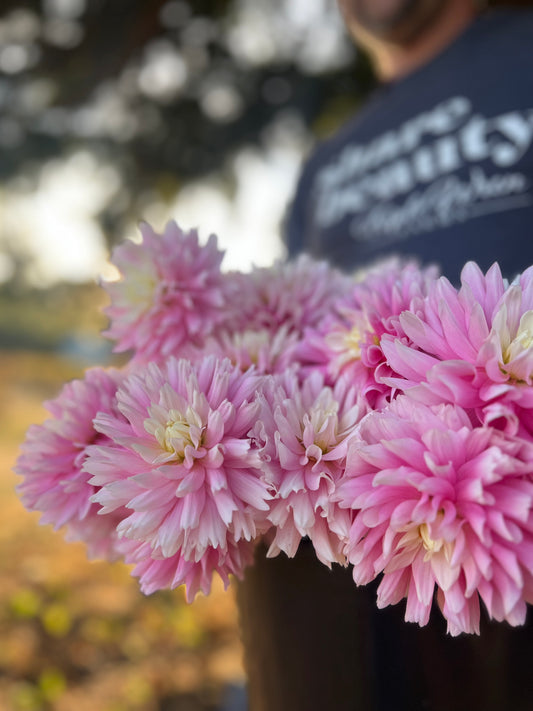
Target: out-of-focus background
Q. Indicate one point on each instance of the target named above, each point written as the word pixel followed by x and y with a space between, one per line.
pixel 112 112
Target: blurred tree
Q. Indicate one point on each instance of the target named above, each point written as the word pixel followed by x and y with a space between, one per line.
pixel 159 94
pixel 166 90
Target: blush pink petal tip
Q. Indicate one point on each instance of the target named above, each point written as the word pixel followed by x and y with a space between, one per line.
pixel 441 505
pixel 180 459
pixel 156 572
pixel 53 456
pixel 171 293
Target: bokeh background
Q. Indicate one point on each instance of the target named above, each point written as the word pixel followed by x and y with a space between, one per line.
pixel 112 112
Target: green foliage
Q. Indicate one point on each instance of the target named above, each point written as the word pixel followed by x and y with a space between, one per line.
pixel 160 88
pixel 25 603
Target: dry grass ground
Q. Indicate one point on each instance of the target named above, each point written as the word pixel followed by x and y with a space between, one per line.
pixel 78 635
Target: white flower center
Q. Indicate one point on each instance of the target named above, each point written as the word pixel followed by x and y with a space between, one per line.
pixel 179 431
pixel 138 289
pixel 253 342
pixel 175 436
pixel 432 545
pixel 352 342
pixel 523 340
pixel 429 544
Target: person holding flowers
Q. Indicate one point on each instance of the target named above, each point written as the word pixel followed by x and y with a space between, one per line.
pixel 309 431
pixel 438 164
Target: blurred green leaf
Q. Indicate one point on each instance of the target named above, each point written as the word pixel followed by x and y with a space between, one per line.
pixel 138 691
pixel 52 684
pixel 186 628
pixel 25 603
pixel 57 620
pixel 25 697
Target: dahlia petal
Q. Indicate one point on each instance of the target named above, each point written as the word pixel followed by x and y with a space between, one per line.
pixel 416 610
pixel 249 490
pixel 445 574
pixel 393 587
pixel 404 360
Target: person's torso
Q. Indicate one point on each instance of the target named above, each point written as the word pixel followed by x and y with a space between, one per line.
pixel 437 166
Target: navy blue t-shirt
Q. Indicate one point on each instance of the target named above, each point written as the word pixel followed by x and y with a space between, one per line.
pixel 438 165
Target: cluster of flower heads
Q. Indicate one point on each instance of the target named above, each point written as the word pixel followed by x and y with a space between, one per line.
pixel 385 418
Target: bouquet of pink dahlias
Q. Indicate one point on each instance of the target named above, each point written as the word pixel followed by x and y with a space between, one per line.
pixel 386 419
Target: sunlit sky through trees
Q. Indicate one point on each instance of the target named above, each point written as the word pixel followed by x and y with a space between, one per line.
pixel 115 111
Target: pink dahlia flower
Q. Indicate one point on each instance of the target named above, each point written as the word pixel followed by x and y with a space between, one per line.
pixel 506 360
pixel 304 432
pixel 182 460
pixel 472 347
pixel 449 324
pixel 171 293
pixel 438 503
pixel 294 295
pixel 390 287
pixel 348 340
pixel 266 351
pixel 52 459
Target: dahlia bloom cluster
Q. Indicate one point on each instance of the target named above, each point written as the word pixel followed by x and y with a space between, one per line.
pixel 385 417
